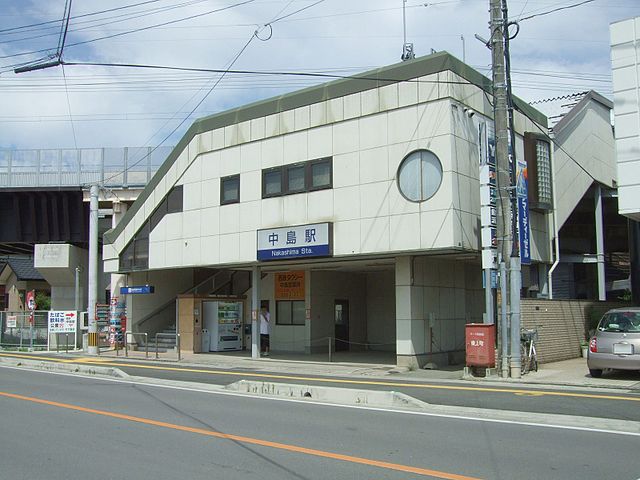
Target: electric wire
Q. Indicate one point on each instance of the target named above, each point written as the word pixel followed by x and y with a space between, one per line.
pixel 49 22
pixel 135 30
pixel 217 82
pixel 529 17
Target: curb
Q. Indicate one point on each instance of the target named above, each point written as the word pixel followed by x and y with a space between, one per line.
pixel 48 366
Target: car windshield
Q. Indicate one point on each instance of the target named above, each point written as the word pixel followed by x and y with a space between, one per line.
pixel 620 322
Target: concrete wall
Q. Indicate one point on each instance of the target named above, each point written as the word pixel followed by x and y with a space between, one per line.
pixel 588 137
pixel 562 324
pixel 435 298
pixel 381 310
pixel 168 284
pixel 326 287
pixel 625 59
pixel 368 134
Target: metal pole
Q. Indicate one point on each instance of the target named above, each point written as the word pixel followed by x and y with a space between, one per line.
pixel 93 271
pixel 464 50
pixel 330 349
pixel 178 345
pixel 602 291
pixel 255 311
pixel 77 288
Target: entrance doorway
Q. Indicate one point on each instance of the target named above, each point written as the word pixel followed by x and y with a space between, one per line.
pixel 341 316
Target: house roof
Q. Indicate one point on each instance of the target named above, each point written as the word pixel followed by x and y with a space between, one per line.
pixel 22 267
pixel 399 72
pixel 562 110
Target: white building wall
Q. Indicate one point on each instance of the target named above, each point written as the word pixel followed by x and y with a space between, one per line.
pixel 625 59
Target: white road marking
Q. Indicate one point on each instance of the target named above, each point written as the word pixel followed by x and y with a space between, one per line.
pixel 334 405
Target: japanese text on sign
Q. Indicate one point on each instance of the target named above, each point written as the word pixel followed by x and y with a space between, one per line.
pixel 289 285
pixel 62 321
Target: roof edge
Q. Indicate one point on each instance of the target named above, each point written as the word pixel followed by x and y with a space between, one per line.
pixel 395 73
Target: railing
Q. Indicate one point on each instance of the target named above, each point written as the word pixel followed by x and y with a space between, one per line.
pixel 114 167
pixel 177 337
pixel 127 343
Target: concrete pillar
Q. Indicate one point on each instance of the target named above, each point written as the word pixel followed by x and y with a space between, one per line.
pixel 634 257
pixel 543 281
pixel 118 280
pixel 255 311
pixel 410 318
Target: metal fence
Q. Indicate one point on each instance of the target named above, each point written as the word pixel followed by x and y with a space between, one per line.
pixel 112 167
pixel 16 331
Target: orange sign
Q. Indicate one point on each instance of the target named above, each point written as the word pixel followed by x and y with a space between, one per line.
pixel 289 285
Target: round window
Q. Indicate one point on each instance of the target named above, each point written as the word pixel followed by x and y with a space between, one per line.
pixel 419 175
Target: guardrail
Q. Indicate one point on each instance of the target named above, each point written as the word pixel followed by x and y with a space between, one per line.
pixel 177 337
pixel 146 343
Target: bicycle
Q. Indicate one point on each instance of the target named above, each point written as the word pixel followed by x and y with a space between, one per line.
pixel 528 354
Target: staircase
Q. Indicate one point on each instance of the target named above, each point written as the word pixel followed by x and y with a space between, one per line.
pixel 166 341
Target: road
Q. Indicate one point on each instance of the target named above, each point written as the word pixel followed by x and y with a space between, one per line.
pixel 68 427
pixel 535 399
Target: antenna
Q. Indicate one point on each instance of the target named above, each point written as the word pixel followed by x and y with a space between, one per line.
pixel 407 48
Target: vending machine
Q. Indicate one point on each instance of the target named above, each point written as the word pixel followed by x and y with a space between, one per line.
pixel 223 320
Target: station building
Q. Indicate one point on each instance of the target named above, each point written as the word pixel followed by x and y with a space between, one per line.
pixel 358 201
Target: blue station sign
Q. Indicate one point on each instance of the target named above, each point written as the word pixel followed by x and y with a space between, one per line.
pixel 300 241
pixel 137 290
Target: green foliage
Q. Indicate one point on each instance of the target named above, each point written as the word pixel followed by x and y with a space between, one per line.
pixel 43 300
pixel 625 296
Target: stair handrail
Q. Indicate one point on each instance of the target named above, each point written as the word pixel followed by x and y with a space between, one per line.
pixel 186 292
pixel 177 337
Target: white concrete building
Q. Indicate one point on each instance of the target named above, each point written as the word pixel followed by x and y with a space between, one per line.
pixel 625 60
pixel 383 168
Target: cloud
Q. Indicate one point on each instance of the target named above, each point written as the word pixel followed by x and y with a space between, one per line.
pixel 552 55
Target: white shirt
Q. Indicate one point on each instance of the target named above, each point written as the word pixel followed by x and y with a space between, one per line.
pixel 265 323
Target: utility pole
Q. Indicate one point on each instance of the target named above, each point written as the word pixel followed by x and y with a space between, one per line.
pixel 93 271
pixel 503 171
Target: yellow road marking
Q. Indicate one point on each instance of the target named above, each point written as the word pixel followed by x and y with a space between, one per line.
pixel 514 391
pixel 249 440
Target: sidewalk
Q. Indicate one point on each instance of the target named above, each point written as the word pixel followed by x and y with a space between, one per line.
pixel 572 372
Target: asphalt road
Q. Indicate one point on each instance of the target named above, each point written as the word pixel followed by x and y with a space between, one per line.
pixel 535 399
pixel 65 427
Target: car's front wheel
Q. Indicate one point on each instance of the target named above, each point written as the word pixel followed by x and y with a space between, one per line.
pixel 595 372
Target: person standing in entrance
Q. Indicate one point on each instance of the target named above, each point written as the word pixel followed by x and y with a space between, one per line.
pixel 265 327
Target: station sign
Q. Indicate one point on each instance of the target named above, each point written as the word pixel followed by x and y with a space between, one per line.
pixel 302 241
pixel 137 290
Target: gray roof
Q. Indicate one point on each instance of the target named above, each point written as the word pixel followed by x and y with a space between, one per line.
pixel 23 268
pixel 399 72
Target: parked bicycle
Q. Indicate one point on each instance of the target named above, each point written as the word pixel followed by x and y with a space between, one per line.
pixel 528 354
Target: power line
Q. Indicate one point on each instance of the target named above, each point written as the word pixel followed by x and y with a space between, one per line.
pixel 136 30
pixel 555 10
pixel 49 22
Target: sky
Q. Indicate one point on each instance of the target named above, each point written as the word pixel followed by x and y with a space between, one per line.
pixel 555 53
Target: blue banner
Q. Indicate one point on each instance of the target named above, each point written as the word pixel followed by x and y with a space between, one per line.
pixel 294 252
pixel 143 289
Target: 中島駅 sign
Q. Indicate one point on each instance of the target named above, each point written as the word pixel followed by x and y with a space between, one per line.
pixel 301 241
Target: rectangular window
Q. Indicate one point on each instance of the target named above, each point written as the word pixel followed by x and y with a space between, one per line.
pixel 544 172
pixel 230 189
pixel 321 174
pixel 537 153
pixel 290 312
pixel 272 182
pixel 297 178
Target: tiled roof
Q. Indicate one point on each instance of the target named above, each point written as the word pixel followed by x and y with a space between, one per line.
pixel 23 268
